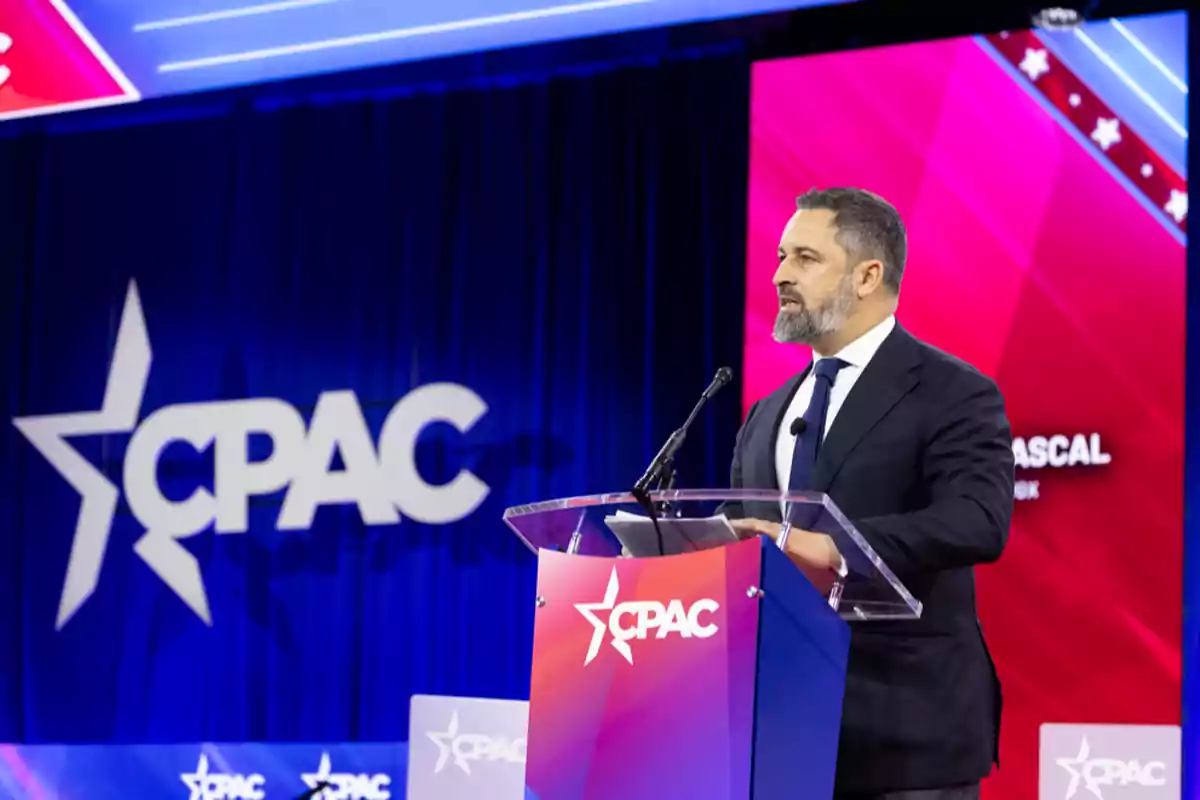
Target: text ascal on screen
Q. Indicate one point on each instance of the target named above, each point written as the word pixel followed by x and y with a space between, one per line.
pixel 381 478
pixel 1054 452
pixel 635 619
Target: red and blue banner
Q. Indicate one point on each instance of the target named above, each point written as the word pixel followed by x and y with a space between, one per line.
pixel 71 54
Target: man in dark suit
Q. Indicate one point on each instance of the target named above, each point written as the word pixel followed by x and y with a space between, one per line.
pixel 913 445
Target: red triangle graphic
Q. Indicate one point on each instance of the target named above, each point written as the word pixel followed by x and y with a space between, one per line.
pixel 49 62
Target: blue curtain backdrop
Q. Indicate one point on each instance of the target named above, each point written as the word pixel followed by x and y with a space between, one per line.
pixel 569 246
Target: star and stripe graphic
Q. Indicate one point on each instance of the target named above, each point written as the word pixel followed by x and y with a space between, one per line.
pixel 1116 141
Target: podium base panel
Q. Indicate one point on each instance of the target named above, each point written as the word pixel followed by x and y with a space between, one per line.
pixel 803 650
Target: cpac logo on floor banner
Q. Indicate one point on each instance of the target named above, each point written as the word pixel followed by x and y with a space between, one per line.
pixel 1110 762
pixel 207 785
pixel 346 785
pixel 644 616
pixel 382 480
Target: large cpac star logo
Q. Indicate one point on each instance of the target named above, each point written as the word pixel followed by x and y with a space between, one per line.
pixel 126 384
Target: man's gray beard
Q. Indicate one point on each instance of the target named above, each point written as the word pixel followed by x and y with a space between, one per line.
pixel 801 325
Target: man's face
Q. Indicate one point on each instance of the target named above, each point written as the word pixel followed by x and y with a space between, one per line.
pixel 813 281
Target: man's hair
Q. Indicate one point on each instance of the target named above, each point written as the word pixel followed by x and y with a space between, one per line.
pixel 868 227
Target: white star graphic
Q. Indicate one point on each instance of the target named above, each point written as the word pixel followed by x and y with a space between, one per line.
pixel 1177 206
pixel 320 778
pixel 445 746
pixel 1073 767
pixel 197 781
pixel 1107 133
pixel 127 375
pixel 1074 99
pixel 1036 63
pixel 1147 170
pixel 588 609
pixel 5 43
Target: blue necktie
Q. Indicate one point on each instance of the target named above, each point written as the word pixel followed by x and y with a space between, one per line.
pixel 808 443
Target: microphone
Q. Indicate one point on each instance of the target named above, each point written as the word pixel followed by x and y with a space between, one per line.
pixel 675 441
pixel 799 426
pixel 663 464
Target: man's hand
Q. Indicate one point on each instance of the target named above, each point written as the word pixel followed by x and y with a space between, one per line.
pixel 814 553
pixel 814 550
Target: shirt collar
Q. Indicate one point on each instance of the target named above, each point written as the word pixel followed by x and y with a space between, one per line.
pixel 860 352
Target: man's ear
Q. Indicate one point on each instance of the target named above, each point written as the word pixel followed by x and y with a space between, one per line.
pixel 868 277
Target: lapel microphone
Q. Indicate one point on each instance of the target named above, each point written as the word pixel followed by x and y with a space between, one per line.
pixel 799 424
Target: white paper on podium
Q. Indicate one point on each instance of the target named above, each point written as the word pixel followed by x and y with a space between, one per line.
pixel 639 540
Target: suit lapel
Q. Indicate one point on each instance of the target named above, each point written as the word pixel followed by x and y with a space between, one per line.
pixel 891 374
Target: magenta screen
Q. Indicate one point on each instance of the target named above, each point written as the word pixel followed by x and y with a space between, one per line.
pixel 1052 258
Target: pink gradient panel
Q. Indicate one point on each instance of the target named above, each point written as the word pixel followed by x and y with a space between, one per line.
pixel 1028 259
pixel 676 722
pixel 47 62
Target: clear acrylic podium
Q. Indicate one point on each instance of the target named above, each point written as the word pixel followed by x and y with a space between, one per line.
pixel 716 671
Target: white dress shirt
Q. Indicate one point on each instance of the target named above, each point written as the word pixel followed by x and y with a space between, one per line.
pixel 857 355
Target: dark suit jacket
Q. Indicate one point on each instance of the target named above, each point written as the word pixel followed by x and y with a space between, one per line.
pixel 920 458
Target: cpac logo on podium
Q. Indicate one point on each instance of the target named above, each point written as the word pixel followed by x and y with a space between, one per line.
pixel 467 747
pixel 205 785
pixel 382 481
pixel 643 616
